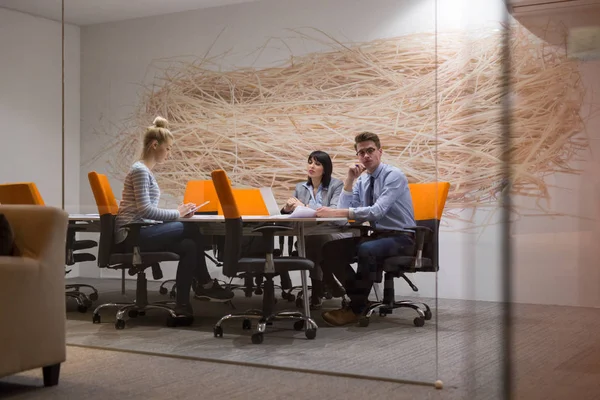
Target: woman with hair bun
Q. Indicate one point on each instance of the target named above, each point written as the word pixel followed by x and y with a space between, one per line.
pixel 139 202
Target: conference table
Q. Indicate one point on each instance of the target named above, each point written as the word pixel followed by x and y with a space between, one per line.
pixel 214 225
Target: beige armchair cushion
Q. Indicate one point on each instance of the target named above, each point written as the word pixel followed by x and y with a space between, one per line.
pixel 32 299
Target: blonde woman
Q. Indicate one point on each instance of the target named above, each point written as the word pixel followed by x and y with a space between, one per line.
pixel 140 202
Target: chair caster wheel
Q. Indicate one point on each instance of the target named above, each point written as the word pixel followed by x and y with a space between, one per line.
pixel 428 315
pixel 82 309
pixel 141 313
pixel 299 303
pixel 96 318
pixel 310 334
pixel 247 293
pixel 93 296
pixel 182 321
pixel 218 331
pixel 299 325
pixel 257 338
pixel 419 321
pixel 328 296
pixel 382 314
pixel 163 290
pixel 133 313
pixel 173 294
pixel 246 324
pixel 363 322
pixel 291 297
pixel 258 292
pixel 120 324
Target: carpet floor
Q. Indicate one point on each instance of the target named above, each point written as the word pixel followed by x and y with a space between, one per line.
pixel 553 347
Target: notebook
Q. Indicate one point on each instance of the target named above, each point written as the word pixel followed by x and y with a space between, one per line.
pixel 269 199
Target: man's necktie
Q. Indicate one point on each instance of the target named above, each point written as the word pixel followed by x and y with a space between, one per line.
pixel 371 196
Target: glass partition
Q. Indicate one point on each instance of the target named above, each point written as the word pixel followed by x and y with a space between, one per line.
pixel 555 280
pixel 253 89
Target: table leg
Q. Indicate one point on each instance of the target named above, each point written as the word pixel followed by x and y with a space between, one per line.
pixel 302 253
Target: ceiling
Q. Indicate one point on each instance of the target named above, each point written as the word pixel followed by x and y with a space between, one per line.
pixel 88 12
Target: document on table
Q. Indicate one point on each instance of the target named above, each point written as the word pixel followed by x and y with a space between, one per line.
pixel 303 212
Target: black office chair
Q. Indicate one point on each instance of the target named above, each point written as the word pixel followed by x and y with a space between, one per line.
pixel 287 288
pixel 428 202
pixel 235 264
pixel 136 262
pixel 74 256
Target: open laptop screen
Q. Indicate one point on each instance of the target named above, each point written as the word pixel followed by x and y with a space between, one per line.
pixel 269 199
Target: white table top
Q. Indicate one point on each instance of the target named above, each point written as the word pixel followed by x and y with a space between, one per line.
pixel 84 217
pixel 220 218
pixel 259 218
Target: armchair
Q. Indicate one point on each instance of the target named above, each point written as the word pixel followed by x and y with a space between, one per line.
pixel 266 267
pixel 32 282
pixel 28 193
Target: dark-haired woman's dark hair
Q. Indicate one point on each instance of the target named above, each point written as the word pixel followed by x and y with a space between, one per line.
pixel 322 158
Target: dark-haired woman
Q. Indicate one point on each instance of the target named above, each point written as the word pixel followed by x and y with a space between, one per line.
pixel 319 190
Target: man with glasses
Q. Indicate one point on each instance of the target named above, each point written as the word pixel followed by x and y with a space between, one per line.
pixel 380 197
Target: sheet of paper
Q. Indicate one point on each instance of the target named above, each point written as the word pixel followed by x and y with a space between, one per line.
pixel 303 212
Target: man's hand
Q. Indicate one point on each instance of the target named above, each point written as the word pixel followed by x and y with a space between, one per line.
pixel 328 212
pixel 354 171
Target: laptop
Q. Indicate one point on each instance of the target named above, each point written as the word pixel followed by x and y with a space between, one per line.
pixel 269 199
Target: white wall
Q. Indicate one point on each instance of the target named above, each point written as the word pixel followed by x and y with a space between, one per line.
pixel 116 59
pixel 30 106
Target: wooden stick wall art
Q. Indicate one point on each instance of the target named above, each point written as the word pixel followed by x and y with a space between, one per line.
pixel 261 124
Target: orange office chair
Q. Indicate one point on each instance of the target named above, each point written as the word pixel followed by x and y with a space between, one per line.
pixel 428 203
pixel 28 193
pixel 250 202
pixel 233 265
pixel 136 261
pixel 198 192
pixel 20 193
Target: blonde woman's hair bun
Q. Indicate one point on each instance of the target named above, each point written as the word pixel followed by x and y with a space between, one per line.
pixel 160 122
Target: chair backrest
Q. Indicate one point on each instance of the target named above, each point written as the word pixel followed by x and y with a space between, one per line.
pixel 429 200
pixel 233 223
pixel 103 194
pixel 108 209
pixel 249 202
pixel 20 193
pixel 200 191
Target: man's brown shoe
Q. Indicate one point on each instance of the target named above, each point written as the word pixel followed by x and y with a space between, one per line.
pixel 343 316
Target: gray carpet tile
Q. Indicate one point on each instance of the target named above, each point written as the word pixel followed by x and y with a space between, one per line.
pixel 101 374
pixel 551 345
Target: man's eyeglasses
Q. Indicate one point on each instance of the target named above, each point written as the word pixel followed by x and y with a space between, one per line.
pixel 368 150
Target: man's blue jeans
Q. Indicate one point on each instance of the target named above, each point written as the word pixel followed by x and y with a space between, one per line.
pixel 370 252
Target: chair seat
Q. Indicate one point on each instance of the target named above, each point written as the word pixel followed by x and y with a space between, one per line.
pixel 282 264
pixel 147 258
pixel 406 264
pixel 81 257
pixel 84 244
